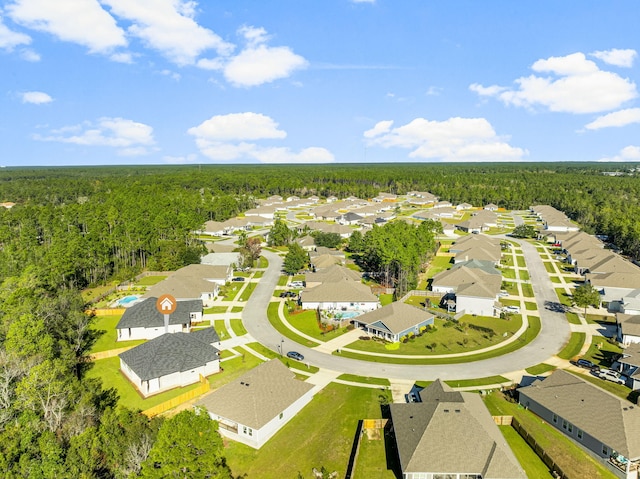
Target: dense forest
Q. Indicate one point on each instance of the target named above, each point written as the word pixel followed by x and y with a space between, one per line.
pixel 76 227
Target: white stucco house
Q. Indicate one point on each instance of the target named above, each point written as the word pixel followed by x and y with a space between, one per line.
pixel 343 295
pixel 171 360
pixel 252 408
pixel 143 321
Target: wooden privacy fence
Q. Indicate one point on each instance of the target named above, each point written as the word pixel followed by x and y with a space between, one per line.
pixel 546 458
pixel 503 420
pixel 202 388
pixel 106 311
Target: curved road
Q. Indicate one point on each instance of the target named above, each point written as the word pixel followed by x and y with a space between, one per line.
pixel 554 334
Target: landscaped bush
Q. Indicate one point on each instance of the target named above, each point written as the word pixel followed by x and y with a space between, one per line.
pixel 482 329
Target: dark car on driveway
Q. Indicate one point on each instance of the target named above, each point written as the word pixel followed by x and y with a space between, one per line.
pixel 295 355
pixel 237 278
pixel 585 363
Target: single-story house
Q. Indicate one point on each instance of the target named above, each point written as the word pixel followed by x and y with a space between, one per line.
pixel 464 206
pixel 472 271
pixel 325 260
pixel 143 321
pixel 252 408
pixel 394 321
pixel 594 418
pixel 171 360
pixel 450 434
pixel 473 225
pixel 627 328
pixel 196 281
pixel 349 219
pixel 306 242
pixel 443 204
pixel 332 274
pixel 221 259
pixel 618 290
pixel 343 295
pixel 628 364
pixel 490 207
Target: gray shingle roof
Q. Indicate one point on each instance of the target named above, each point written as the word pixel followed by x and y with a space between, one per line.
pixel 451 432
pixel 145 315
pixel 168 354
pixel 258 396
pixel 396 317
pixel 608 418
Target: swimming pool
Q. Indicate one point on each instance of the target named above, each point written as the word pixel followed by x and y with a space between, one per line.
pixel 127 300
pixel 348 314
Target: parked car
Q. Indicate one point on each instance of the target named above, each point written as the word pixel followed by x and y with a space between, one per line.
pixel 412 397
pixel 295 355
pixel 585 363
pixel 237 278
pixel 512 309
pixel 288 294
pixel 297 284
pixel 503 293
pixel 611 375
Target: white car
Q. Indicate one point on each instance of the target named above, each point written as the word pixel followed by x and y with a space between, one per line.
pixel 503 293
pixel 511 309
pixel 611 375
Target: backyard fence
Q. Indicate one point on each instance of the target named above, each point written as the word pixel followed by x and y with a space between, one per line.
pixel 105 311
pixel 202 388
pixel 503 420
pixel 546 458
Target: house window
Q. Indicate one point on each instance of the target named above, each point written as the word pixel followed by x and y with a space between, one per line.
pixel 570 428
pixel 564 424
pixel 579 433
pixel 250 432
pixel 555 418
pixel 605 450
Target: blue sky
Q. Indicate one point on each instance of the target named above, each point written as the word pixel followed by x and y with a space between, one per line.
pixel 88 82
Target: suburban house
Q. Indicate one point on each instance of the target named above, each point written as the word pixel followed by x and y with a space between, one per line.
pixel 343 230
pixel 306 242
pixel 450 434
pixel 464 206
pixel 421 198
pixel 332 274
pixel 324 261
pixel 627 328
pixel 443 204
pixel 254 407
pixel 473 225
pixel 349 219
pixel 143 321
pixel 594 418
pixel 620 291
pixel 343 295
pixel 553 219
pixel 628 364
pixel 481 247
pixel 394 321
pixel 221 259
pixel 491 207
pixel 171 360
pixel 196 281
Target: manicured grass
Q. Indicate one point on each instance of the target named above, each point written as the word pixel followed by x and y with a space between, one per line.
pixel 510 302
pixel 247 291
pixel 528 459
pixel 234 368
pixel 258 274
pixel 107 339
pixel 508 273
pixel 487 381
pixel 449 338
pixel 573 347
pixel 216 310
pixel 230 290
pixel 320 435
pixel 364 379
pixel 521 261
pixel 602 352
pixel 507 261
pixel 572 317
pixel 305 322
pixel 600 319
pixel 532 331
pixel 238 327
pixel 370 457
pixel 263 262
pixel 540 369
pixel 527 290
pixel 555 279
pixel 272 314
pixel 90 294
pixel 563 297
pixel 290 363
pixel 237 309
pixel 568 455
pixel 437 264
pixel 150 280
pixel 548 265
pixel 511 287
pixel 283 280
pixel 524 275
pixel 530 306
pixel 221 329
pixel 386 299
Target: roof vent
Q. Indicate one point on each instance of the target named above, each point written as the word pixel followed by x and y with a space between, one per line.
pixel 246 384
pixel 446 410
pixel 242 382
pixel 457 410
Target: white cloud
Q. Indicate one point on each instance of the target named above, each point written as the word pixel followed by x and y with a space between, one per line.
pixel 628 153
pixel 29 55
pixel 233 137
pixel 615 119
pixel 36 97
pixel 617 57
pixel 169 27
pixel 122 57
pixel 79 21
pixel 238 126
pixel 455 139
pixel 575 85
pixel 129 137
pixel 10 39
pixel 258 63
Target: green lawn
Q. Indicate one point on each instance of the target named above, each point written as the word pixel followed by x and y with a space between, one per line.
pixel 511 287
pixel 386 299
pixel 320 435
pixel 548 265
pixel 216 310
pixel 306 323
pixel 247 291
pixel 507 261
pixel 540 369
pixel 572 317
pixel 573 347
pixel 105 326
pixel 272 314
pixel 258 274
pixel 555 279
pixel 528 459
pixel 563 297
pixel 263 262
pixel 437 264
pixel 449 338
pixel 365 380
pixel 508 273
pixel 238 327
pixel 282 281
pixel 487 381
pixel 221 329
pixel 150 280
pixel 230 290
pixel 602 352
pixel 530 306
pixel 524 274
pixel 290 363
pixel 527 290
pixel 521 262
pixel 236 309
